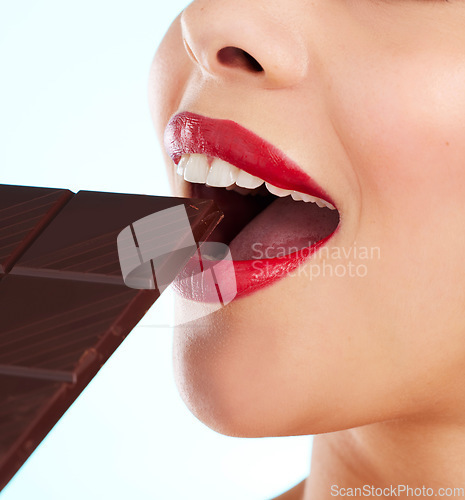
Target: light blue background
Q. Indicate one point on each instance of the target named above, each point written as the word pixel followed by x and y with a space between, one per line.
pixel 74 114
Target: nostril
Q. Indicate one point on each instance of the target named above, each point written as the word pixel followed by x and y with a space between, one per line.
pixel 238 58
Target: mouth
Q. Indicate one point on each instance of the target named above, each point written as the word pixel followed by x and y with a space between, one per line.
pixel 276 216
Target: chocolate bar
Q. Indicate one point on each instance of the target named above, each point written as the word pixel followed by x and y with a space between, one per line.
pixel 64 303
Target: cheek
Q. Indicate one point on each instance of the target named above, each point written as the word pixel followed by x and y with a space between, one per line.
pixel 169 72
pixel 405 140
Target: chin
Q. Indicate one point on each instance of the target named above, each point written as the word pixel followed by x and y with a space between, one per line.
pixel 224 379
pixel 240 375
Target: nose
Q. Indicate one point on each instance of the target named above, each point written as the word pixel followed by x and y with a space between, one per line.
pixel 245 40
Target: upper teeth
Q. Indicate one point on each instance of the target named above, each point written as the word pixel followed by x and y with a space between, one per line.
pixel 196 168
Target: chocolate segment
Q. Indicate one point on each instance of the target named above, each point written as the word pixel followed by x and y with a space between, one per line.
pixel 80 243
pixel 63 302
pixel 53 322
pixel 24 213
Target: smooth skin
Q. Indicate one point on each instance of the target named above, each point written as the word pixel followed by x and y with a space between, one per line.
pixel 368 97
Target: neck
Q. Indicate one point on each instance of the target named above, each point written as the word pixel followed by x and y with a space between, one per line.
pixel 410 454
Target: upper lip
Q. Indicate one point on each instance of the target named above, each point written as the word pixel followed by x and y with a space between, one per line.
pixel 190 133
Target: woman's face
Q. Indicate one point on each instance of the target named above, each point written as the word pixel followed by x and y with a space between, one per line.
pixel 367 97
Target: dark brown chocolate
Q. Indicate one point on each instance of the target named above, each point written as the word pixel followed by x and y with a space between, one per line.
pixel 63 302
pixel 52 322
pixel 24 213
pixel 80 242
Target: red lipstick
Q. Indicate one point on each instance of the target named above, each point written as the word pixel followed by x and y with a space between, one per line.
pixel 189 133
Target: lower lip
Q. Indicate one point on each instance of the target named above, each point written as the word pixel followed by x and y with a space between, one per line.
pixel 250 275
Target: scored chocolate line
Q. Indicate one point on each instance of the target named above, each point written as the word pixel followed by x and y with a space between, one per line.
pixel 136 243
pixel 37 373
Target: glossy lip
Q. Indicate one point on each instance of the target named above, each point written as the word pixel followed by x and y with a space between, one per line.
pixel 190 133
